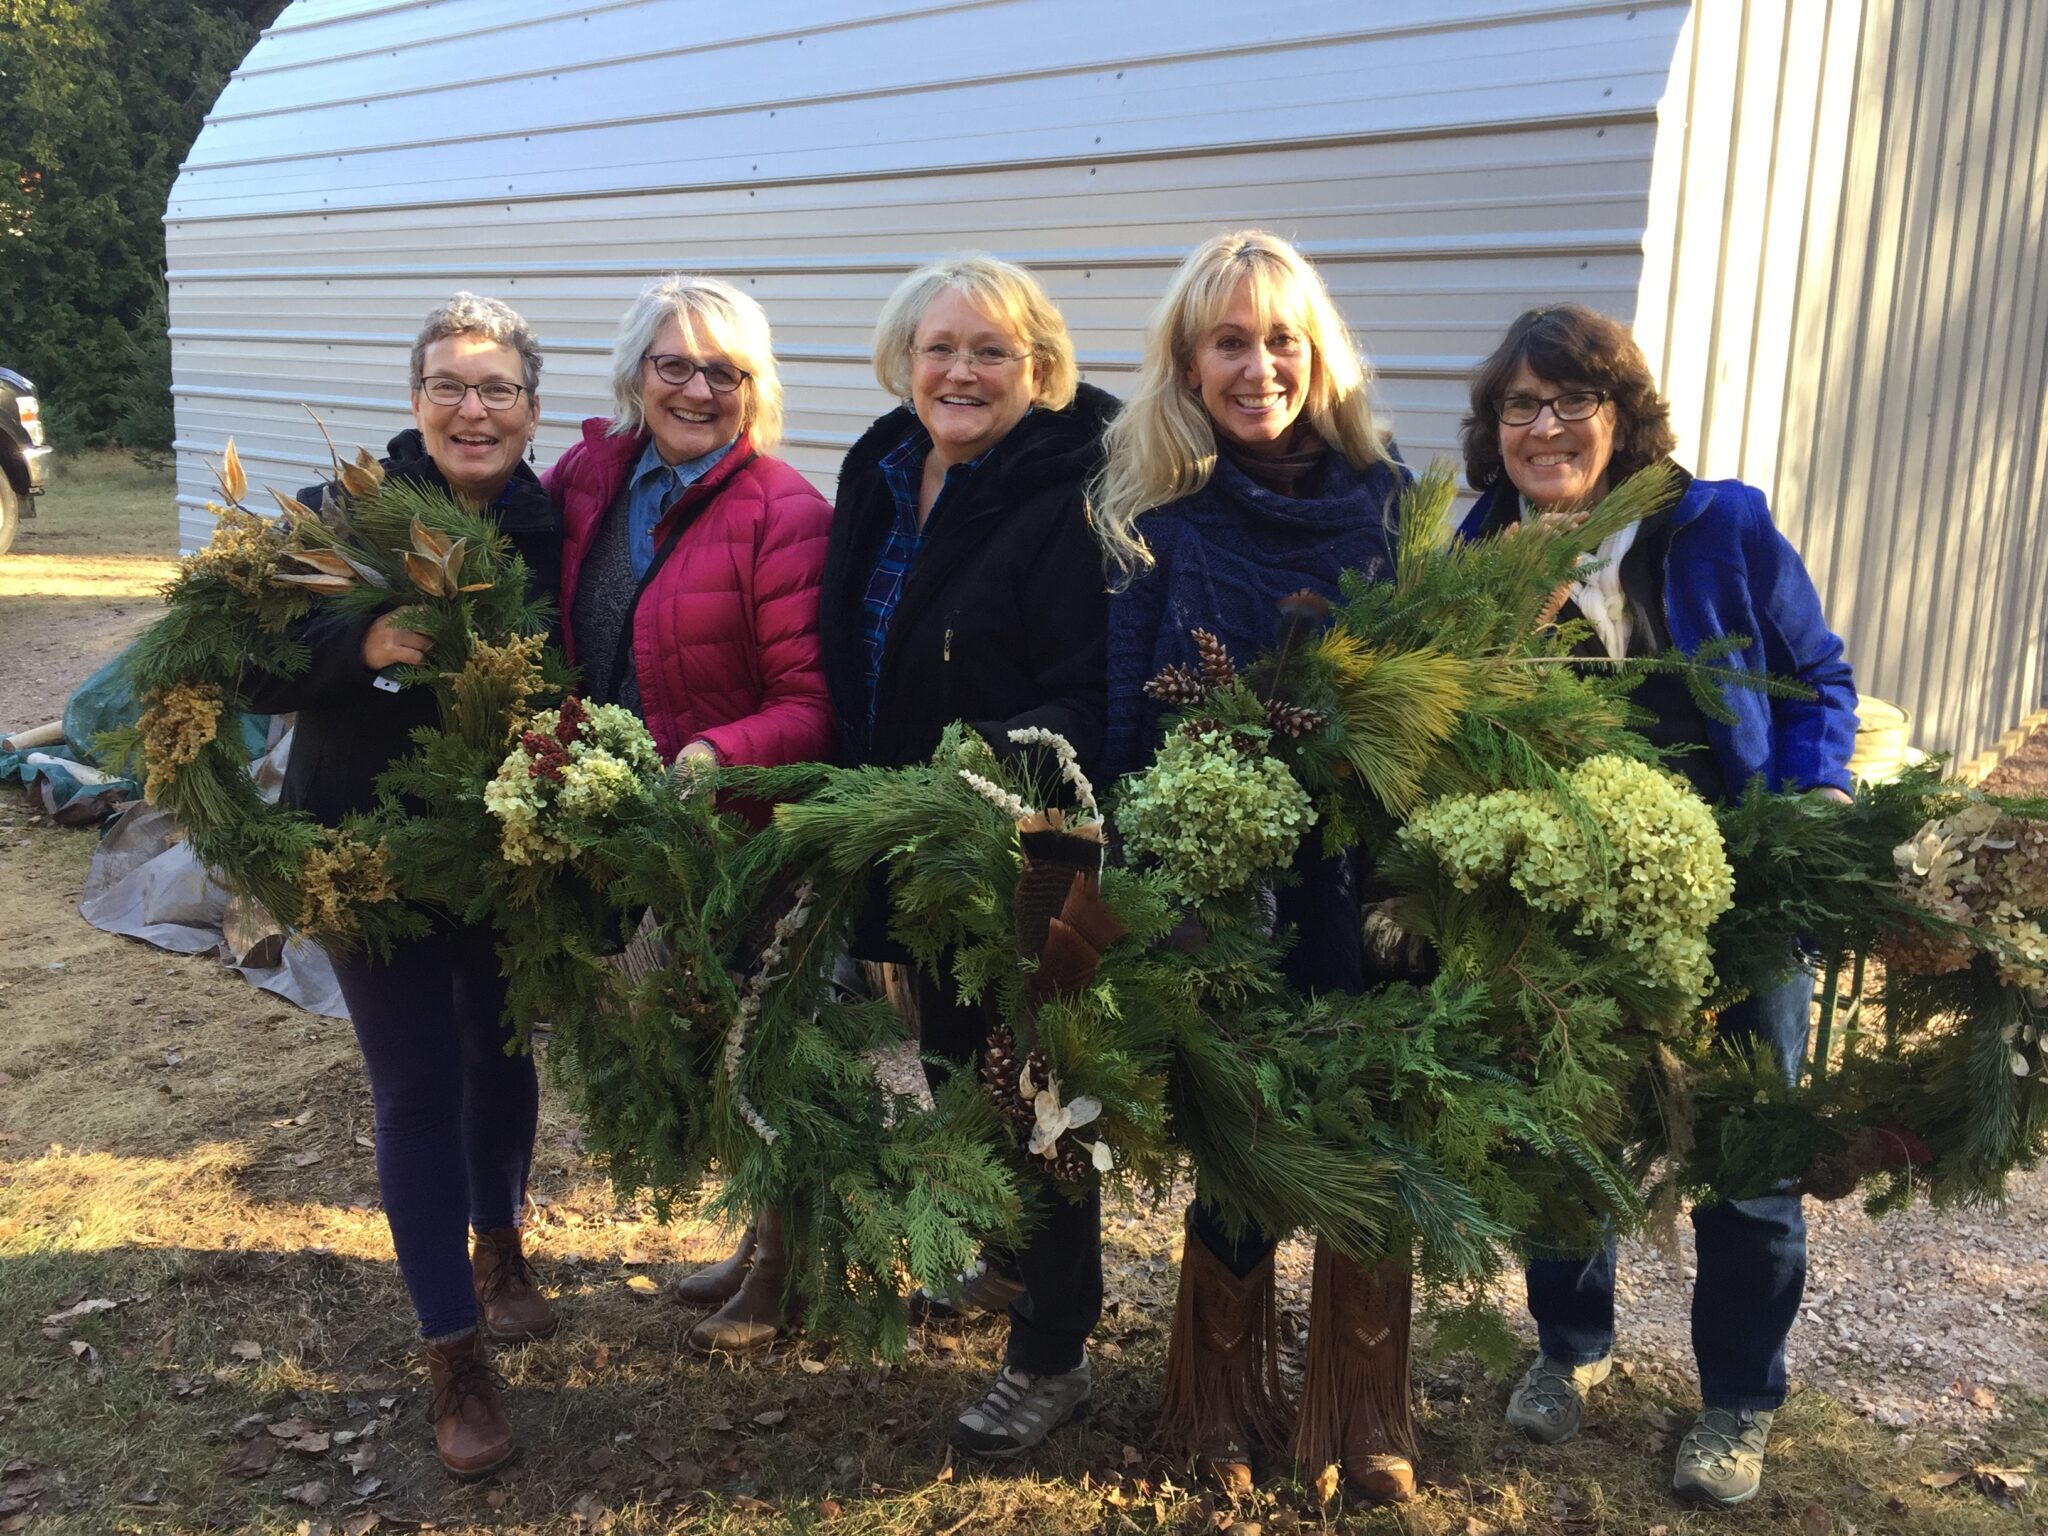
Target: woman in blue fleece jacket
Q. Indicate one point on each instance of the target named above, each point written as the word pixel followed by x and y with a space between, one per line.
pixel 1247 466
pixel 1564 410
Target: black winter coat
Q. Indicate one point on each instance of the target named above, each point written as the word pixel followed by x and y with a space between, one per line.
pixel 1002 621
pixel 349 731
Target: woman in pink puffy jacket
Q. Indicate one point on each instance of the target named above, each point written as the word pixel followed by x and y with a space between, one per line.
pixel 690 557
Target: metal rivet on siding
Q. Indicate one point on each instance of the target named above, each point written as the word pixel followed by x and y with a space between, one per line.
pixel 1600 133
pixel 1584 264
pixel 1119 74
pixel 1608 92
pixel 1091 170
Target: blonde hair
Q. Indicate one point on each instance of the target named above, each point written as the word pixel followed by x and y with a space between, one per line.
pixel 719 316
pixel 1001 290
pixel 1162 445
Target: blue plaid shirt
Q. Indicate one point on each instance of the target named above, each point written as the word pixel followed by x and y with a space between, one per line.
pixel 902 468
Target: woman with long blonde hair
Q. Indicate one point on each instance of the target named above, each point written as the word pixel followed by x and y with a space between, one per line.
pixel 1246 466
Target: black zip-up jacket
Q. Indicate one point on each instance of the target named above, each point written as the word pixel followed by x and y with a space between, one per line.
pixel 349 731
pixel 1003 618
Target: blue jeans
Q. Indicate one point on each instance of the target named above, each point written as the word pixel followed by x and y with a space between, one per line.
pixel 455 1114
pixel 1752 1256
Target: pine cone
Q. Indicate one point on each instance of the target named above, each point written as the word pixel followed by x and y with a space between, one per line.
pixel 1072 1166
pixel 1200 724
pixel 1217 668
pixel 999 1064
pixel 1293 720
pixel 1176 687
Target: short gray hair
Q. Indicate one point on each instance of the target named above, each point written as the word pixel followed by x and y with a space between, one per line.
pixel 470 314
pixel 723 318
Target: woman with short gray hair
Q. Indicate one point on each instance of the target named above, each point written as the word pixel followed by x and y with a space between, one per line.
pixel 455 1112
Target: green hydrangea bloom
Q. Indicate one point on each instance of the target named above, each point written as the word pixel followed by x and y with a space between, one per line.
pixel 1213 815
pixel 1666 879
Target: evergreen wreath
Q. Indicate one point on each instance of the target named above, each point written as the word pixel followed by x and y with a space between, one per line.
pixel 380 544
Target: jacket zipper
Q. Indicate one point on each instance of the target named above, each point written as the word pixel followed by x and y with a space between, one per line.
pixel 946 647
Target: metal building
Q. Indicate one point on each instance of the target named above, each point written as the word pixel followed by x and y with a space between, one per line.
pixel 1824 217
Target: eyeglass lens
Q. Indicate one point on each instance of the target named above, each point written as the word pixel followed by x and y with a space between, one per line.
pixel 497 395
pixel 673 368
pixel 1522 410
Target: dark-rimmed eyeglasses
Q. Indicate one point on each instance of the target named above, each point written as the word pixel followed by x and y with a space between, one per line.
pixel 674 368
pixel 496 394
pixel 1572 405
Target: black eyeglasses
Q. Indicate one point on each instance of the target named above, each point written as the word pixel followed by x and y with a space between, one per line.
pixel 674 368
pixel 1572 405
pixel 497 394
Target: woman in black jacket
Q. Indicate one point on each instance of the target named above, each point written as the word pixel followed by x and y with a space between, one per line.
pixel 455 1113
pixel 962 583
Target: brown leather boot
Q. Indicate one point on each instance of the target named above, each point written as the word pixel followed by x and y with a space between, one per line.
pixel 755 1317
pixel 508 1294
pixel 1356 1404
pixel 716 1284
pixel 470 1430
pixel 1221 1398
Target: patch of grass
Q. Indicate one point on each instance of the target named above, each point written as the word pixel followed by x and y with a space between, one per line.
pixel 101 501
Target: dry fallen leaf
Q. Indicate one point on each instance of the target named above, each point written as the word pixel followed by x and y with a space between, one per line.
pixel 246 1349
pixel 811 1367
pixel 1943 1479
pixel 1326 1483
pixel 294 1428
pixel 84 1308
pixel 659 1447
pixel 361 1523
pixel 305 1159
pixel 253 1458
pixel 641 1285
pixel 1814 1520
pixel 312 1494
pixel 312 1445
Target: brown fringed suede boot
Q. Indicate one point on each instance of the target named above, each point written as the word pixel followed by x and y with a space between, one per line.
pixel 716 1284
pixel 470 1429
pixel 754 1318
pixel 510 1302
pixel 1356 1404
pixel 1221 1398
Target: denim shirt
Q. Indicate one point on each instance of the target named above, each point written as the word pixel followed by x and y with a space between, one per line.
pixel 653 490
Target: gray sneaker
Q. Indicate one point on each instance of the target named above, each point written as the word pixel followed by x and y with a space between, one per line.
pixel 1550 1399
pixel 1721 1458
pixel 975 1293
pixel 1020 1410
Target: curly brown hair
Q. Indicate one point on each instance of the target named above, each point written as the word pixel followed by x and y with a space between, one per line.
pixel 1570 345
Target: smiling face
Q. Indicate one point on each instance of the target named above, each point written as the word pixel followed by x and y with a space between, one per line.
pixel 474 448
pixel 689 420
pixel 1253 378
pixel 968 407
pixel 1557 463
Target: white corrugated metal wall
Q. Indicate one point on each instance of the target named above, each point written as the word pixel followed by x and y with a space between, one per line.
pixel 1447 161
pixel 1831 209
pixel 1846 293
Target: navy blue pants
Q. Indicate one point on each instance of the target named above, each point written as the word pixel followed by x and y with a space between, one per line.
pixel 1752 1256
pixel 455 1113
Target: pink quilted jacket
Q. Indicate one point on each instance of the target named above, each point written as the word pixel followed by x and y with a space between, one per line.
pixel 725 640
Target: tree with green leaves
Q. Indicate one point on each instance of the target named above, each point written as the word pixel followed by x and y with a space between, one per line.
pixel 99 102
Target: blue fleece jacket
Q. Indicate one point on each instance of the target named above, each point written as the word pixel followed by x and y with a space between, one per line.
pixel 1730 572
pixel 1225 557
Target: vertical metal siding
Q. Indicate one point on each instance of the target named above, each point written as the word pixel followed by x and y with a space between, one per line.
pixel 1447 162
pixel 1849 305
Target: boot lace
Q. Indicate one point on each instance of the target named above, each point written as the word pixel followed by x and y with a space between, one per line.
pixel 511 1266
pixel 471 1376
pixel 1717 1439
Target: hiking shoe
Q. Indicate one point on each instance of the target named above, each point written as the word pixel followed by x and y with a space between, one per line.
pixel 1721 1458
pixel 1020 1410
pixel 1550 1399
pixel 982 1291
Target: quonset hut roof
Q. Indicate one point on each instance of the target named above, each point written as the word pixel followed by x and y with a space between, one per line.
pixel 1825 220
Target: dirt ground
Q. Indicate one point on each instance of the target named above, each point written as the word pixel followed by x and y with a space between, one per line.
pixel 202 1328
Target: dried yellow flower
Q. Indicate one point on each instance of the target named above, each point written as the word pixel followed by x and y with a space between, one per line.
pixel 175 728
pixel 339 879
pixel 244 551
